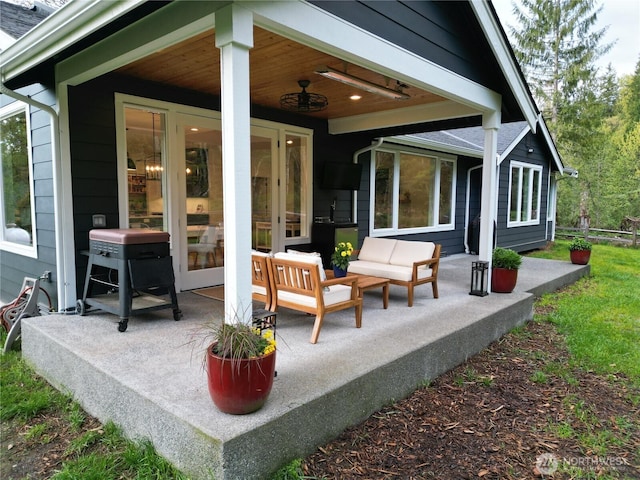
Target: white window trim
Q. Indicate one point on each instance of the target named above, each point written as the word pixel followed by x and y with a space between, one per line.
pixel 24 250
pixel 534 168
pixel 123 101
pixel 394 230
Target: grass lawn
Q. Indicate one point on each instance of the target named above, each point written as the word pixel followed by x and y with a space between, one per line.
pixel 600 315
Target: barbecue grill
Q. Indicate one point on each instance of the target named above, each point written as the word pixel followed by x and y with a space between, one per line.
pixel 128 270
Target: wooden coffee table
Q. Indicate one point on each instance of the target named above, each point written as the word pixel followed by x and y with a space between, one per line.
pixel 368 282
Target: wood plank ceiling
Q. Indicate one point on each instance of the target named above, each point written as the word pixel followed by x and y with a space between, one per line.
pixel 276 65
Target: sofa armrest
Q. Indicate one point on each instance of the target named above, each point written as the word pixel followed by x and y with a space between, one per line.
pixel 428 263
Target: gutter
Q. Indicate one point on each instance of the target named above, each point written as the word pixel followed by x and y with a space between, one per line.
pixel 55 150
pixel 64 27
pixel 357 153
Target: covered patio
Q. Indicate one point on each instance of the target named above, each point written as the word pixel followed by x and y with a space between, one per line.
pixel 149 380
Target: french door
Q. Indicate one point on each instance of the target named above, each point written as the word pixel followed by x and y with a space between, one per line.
pixel 174 183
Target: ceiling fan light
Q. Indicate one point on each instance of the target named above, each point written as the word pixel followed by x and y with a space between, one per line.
pixel 303 101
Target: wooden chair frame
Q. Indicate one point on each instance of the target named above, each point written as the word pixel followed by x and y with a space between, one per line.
pixel 303 278
pixel 261 277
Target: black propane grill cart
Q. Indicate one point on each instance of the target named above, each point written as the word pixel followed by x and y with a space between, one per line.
pixel 131 268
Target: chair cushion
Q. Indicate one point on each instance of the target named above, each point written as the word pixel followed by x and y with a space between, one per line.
pixel 405 252
pixel 258 289
pixel 304 257
pixel 258 253
pixel 335 294
pixel 377 249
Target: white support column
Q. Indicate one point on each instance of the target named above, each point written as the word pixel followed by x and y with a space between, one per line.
pixel 234 38
pixel 490 124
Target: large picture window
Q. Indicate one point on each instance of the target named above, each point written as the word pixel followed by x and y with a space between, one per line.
pixel 524 194
pixel 412 192
pixel 16 189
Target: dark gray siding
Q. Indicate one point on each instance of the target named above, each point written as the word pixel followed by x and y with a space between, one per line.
pixel 526 237
pixel 445 32
pixel 15 267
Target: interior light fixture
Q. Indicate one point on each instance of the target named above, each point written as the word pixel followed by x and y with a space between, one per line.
pixel 360 83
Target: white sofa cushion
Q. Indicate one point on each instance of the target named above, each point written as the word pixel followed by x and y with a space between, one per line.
pixel 385 270
pixel 405 252
pixel 377 249
pixel 335 294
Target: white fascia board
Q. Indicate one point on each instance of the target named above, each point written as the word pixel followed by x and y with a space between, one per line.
pixel 163 28
pixel 316 28
pixel 401 116
pixel 413 141
pixel 513 144
pixel 506 61
pixel 63 28
pixel 6 41
pixel 552 146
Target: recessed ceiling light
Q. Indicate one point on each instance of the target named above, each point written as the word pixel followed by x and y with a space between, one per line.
pixel 194 129
pixel 355 97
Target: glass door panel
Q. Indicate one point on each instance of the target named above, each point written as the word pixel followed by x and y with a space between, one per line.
pixel 202 222
pixel 296 165
pixel 146 166
pixel 263 190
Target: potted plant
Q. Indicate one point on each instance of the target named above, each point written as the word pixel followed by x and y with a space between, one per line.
pixel 580 251
pixel 504 274
pixel 340 258
pixel 240 365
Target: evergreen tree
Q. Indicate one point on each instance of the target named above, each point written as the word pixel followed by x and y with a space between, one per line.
pixel 557 45
pixel 557 48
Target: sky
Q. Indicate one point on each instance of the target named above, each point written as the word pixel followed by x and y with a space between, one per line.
pixel 623 19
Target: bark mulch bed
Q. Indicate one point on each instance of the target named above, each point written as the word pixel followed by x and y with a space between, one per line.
pixel 517 410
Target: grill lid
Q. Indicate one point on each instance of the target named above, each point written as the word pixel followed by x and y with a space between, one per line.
pixel 128 236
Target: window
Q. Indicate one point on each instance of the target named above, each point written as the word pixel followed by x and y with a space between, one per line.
pixel 524 194
pixel 412 192
pixel 16 189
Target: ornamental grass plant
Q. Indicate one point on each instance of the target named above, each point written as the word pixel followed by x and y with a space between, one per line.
pixel 238 341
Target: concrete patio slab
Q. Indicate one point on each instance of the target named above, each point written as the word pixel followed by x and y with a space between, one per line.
pixel 149 380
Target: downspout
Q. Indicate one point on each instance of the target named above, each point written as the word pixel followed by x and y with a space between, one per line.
pixel 373 146
pixel 55 151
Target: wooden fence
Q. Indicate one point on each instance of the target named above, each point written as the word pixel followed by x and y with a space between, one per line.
pixel 599 235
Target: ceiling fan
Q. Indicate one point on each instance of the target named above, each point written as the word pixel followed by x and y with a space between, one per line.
pixel 303 101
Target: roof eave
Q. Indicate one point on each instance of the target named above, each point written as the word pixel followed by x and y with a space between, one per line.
pixel 552 146
pixel 415 141
pixel 502 51
pixel 57 32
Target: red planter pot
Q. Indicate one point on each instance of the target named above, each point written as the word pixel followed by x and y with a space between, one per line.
pixel 503 280
pixel 580 257
pixel 240 386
